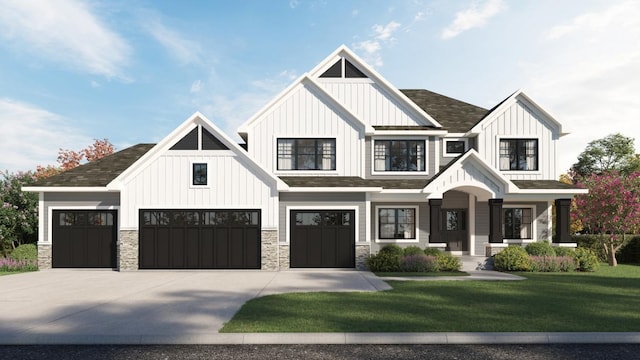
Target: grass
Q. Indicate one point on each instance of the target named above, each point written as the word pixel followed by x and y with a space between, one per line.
pixel 607 300
pixel 410 274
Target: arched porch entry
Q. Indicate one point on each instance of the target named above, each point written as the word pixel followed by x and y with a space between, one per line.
pixel 460 219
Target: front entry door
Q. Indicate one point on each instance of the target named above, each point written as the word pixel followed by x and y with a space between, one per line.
pixel 454 229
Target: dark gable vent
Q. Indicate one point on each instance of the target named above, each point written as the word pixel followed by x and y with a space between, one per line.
pixel 210 142
pixel 335 71
pixel 188 142
pixel 351 71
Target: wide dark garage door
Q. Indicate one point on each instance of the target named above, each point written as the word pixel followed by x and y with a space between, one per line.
pixel 322 239
pixel 199 239
pixel 84 239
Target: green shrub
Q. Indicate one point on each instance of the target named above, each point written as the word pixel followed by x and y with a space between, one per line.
pixel 591 242
pixel 25 252
pixel 586 260
pixel 432 251
pixel 564 251
pixel 413 250
pixel 12 265
pixel 448 262
pixel 383 262
pixel 418 263
pixel 552 263
pixel 391 249
pixel 540 249
pixel 512 258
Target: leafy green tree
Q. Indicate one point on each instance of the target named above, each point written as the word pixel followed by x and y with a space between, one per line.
pixel 614 152
pixel 18 211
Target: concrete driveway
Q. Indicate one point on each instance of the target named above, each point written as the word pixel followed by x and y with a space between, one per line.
pixel 86 303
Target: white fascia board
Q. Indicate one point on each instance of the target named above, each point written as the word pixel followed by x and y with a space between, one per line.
pixel 344 51
pixel 553 192
pixel 411 132
pixel 544 112
pixel 67 189
pixel 401 191
pixel 334 189
pixel 245 127
pixel 368 129
pixel 536 197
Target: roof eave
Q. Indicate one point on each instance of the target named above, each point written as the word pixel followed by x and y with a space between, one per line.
pixel 68 189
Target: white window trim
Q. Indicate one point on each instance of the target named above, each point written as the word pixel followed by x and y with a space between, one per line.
pixel 444 146
pixel 519 172
pixel 306 172
pixel 288 210
pixel 191 185
pixel 534 218
pixel 392 173
pixel 393 241
pixel 50 210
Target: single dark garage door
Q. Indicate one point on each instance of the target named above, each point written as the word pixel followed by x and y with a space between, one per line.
pixel 84 239
pixel 323 239
pixel 200 239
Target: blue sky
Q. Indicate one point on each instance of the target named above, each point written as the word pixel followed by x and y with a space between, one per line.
pixel 131 71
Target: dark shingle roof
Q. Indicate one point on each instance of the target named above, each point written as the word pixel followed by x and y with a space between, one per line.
pixel 99 172
pixel 454 115
pixel 543 185
pixel 352 181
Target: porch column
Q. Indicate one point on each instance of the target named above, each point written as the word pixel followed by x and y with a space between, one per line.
pixel 435 207
pixel 495 220
pixel 562 221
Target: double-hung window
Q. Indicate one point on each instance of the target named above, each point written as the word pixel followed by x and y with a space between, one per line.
pixel 518 223
pixel 306 154
pixel 519 154
pixel 399 155
pixel 396 223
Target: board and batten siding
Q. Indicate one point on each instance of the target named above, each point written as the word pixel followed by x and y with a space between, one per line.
pixel 371 103
pixel 431 144
pixel 520 121
pixel 166 183
pixel 324 201
pixel 305 114
pixel 78 201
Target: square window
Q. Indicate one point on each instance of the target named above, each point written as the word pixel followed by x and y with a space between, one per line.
pixel 199 174
pixel 519 154
pixel 397 223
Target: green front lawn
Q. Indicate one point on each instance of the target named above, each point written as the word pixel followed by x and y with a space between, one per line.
pixel 414 274
pixel 607 300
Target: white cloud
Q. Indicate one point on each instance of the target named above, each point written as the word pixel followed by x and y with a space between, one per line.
pixel 65 31
pixel 293 4
pixel 588 74
pixel 184 50
pixel 419 16
pixel 196 86
pixel 474 16
pixel 95 84
pixel 32 136
pixel 382 34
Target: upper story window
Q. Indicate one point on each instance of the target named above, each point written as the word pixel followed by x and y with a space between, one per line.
pixel 306 154
pixel 399 155
pixel 519 154
pixel 454 147
pixel 199 175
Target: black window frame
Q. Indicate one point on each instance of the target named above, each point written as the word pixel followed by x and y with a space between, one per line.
pixel 455 152
pixel 408 155
pixel 295 155
pixel 196 176
pixel 517 153
pixel 396 231
pixel 510 232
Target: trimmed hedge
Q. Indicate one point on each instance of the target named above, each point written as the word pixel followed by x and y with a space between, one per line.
pixel 448 262
pixel 413 250
pixel 586 260
pixel 432 251
pixel 564 251
pixel 512 258
pixel 630 252
pixel 540 249
pixel 418 263
pixel 552 263
pixel 591 242
pixel 25 252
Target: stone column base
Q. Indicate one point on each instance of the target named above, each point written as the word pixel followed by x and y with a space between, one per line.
pixel 283 258
pixel 362 251
pixel 44 256
pixel 269 249
pixel 128 250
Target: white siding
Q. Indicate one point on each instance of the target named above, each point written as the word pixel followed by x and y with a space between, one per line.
pixel 166 183
pixel 305 114
pixel 371 103
pixel 521 121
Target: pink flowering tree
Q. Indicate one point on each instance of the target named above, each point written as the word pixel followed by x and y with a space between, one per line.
pixel 612 207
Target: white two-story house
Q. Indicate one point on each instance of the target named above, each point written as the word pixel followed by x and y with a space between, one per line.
pixel 336 166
